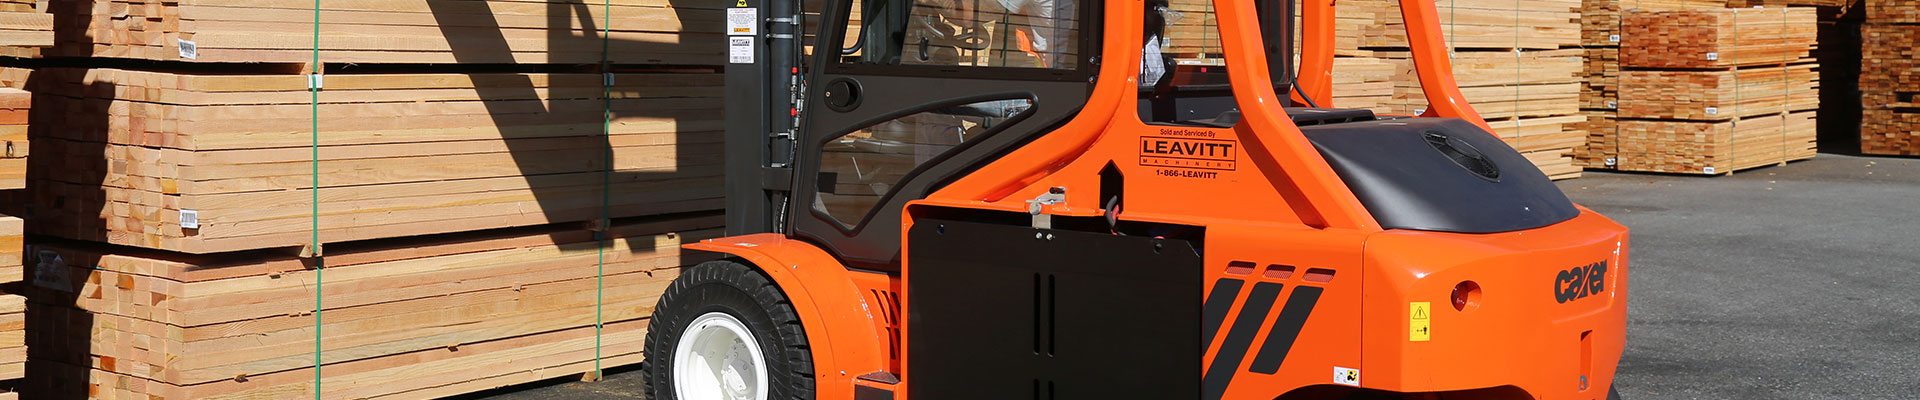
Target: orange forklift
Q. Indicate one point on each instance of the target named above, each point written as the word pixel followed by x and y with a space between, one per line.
pixel 1026 199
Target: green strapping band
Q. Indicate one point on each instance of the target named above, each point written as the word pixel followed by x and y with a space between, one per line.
pixel 320 260
pixel 606 184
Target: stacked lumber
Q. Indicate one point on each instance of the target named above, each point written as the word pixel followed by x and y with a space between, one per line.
pixel 1714 147
pixel 215 163
pixel 1601 128
pixel 1601 22
pixel 394 31
pixel 464 168
pixel 1893 11
pixel 1716 94
pixel 1491 25
pixel 411 318
pixel 1600 83
pixel 12 249
pixel 1192 31
pixel 25 30
pixel 1362 82
pixel 15 106
pixel 1717 38
pixel 13 343
pixel 1502 85
pixel 1514 62
pixel 1890 79
pixel 1713 91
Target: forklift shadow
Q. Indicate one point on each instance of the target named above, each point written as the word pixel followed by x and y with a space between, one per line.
pixel 642 180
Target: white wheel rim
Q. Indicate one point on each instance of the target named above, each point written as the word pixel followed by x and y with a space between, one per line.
pixel 717 358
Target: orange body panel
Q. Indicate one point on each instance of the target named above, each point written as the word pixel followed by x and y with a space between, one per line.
pixel 1275 212
pixel 831 300
pixel 1519 334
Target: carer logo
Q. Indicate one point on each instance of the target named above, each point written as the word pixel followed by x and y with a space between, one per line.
pixel 1580 282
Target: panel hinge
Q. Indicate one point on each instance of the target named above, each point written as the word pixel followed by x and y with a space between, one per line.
pixel 1035 207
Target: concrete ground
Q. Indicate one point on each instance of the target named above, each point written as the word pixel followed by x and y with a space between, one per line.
pixel 1795 282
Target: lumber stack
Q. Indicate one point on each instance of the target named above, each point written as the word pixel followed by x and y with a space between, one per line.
pixel 1890 78
pixel 1192 31
pixel 1893 11
pixel 400 319
pixel 1601 22
pixel 1701 39
pixel 394 31
pixel 25 29
pixel 1517 63
pixel 464 170
pixel 1713 91
pixel 216 163
pixel 1363 82
pixel 15 106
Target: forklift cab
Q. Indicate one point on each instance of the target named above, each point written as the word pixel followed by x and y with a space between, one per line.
pixel 922 91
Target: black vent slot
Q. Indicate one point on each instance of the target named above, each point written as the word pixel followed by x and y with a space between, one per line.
pixel 1464 155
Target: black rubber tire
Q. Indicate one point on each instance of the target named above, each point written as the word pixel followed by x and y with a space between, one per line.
pixel 738 290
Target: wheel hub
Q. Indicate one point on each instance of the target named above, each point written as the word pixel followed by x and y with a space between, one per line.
pixel 717 358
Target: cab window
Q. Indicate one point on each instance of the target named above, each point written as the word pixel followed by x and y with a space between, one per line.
pixel 1027 34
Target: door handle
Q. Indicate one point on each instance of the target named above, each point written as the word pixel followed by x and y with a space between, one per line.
pixel 842 95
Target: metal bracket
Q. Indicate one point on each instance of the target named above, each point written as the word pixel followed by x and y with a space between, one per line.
pixel 1054 195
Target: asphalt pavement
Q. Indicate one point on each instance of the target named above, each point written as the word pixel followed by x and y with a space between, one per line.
pixel 1793 282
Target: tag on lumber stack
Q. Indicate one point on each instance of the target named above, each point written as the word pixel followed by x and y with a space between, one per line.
pixel 1515 64
pixel 1600 23
pixel 406 318
pixel 216 163
pixel 394 31
pixel 25 29
pixel 1890 78
pixel 1716 91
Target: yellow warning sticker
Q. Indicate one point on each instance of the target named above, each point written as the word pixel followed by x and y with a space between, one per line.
pixel 1419 321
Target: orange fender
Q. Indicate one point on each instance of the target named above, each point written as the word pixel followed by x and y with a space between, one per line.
pixel 836 317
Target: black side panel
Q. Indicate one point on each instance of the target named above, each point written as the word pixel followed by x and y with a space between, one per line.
pixel 997 313
pixel 1440 174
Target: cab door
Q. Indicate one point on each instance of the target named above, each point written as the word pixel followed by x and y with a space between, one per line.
pixel 907 95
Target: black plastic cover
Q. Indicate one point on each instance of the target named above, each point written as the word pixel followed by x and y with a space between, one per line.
pixel 1440 174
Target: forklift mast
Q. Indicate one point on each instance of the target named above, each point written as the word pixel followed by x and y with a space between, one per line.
pixel 764 86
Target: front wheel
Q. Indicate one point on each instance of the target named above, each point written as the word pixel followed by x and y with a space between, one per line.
pixel 723 331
